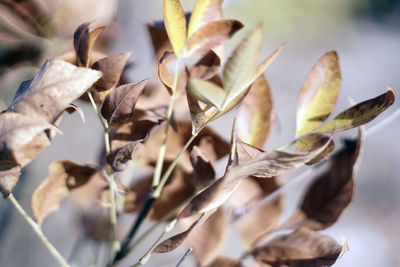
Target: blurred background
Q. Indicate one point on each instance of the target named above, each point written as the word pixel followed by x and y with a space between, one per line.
pixel 365 33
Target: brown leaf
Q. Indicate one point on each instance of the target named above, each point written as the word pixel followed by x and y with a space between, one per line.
pixel 209 238
pixel 317 98
pixel 254 117
pixel 207 67
pixel 22 138
pixel 84 39
pixel 303 247
pixel 9 175
pixel 360 114
pixel 168 79
pixel 313 141
pixel 159 39
pixel 52 90
pixel 204 172
pixel 332 190
pixel 118 106
pixel 209 36
pixel 119 157
pixel 71 109
pixel 222 261
pixel 174 241
pixel 112 68
pixel 64 177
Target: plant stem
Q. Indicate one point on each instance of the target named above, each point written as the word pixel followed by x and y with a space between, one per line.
pixel 143 260
pixel 36 228
pixel 163 148
pixel 113 210
pixel 184 257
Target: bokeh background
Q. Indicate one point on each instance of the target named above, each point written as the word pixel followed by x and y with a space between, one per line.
pixel 366 35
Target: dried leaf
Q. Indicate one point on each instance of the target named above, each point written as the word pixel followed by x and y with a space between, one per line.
pixel 209 237
pixel 209 36
pixel 71 109
pixel 64 177
pixel 207 67
pixel 159 38
pixel 22 137
pixel 206 92
pixel 254 117
pixel 84 40
pixel 317 98
pixel 203 13
pixel 118 106
pixel 332 190
pixel 360 114
pixel 52 90
pixel 174 241
pixel 9 175
pixel 303 247
pixel 175 24
pixel 313 141
pixel 165 77
pixel 204 171
pixel 112 68
pixel 119 157
pixel 222 261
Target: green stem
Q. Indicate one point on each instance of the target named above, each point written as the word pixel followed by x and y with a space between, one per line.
pixel 36 228
pixel 143 260
pixel 163 148
pixel 113 209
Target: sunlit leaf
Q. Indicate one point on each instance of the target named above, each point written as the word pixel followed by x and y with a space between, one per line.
pixel 52 90
pixel 64 177
pixel 118 106
pixel 203 13
pixel 317 98
pixel 210 36
pixel 112 68
pixel 254 116
pixel 175 23
pixel 360 114
pixel 206 92
pixel 313 141
pixel 303 247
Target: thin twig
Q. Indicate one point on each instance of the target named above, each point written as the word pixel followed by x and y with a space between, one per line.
pixel 184 256
pixel 36 228
pixel 113 209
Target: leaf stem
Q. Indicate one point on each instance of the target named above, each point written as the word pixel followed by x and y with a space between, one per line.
pixel 143 260
pixel 113 209
pixel 36 228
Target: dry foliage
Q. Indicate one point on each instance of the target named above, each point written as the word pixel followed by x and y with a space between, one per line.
pixel 181 155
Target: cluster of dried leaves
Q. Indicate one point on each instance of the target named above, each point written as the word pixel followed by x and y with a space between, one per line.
pixel 252 174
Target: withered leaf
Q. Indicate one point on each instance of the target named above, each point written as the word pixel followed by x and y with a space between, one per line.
pixel 175 24
pixel 207 67
pixel 71 109
pixel 360 114
pixel 302 247
pixel 312 141
pixel 317 98
pixel 266 164
pixel 254 116
pixel 159 40
pixel 52 90
pixel 203 13
pixel 222 261
pixel 119 157
pixel 9 175
pixel 174 241
pixel 64 177
pixel 22 137
pixel 332 190
pixel 206 92
pixel 165 77
pixel 118 106
pixel 84 39
pixel 209 36
pixel 209 237
pixel 112 68
pixel 204 172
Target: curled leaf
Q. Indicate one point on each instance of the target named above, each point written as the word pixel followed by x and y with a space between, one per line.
pixel 112 68
pixel 71 109
pixel 317 98
pixel 360 114
pixel 84 39
pixel 118 106
pixel 204 171
pixel 313 141
pixel 303 247
pixel 52 90
pixel 210 36
pixel 175 23
pixel 119 157
pixel 64 177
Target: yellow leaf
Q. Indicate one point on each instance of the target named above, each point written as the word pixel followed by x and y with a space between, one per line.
pixel 175 23
pixel 204 12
